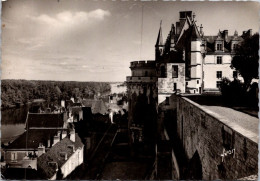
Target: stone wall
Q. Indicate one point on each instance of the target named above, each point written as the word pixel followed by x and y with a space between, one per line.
pixel 205 135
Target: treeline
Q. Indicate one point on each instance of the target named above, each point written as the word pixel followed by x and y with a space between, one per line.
pixel 15 92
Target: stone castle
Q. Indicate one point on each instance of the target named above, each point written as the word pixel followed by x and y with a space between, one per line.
pixel 188 62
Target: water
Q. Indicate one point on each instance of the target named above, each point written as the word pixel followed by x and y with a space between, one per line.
pixel 13 123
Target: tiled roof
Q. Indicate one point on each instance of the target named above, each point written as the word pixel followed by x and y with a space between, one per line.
pixel 50 120
pixel 97 106
pixel 76 110
pixel 54 155
pixel 33 137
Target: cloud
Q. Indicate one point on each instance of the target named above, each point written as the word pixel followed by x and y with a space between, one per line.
pixel 68 18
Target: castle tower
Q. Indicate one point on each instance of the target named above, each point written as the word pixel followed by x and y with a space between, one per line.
pixel 142 101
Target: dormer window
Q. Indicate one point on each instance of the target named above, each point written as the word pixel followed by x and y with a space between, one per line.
pixel 219 46
pixel 234 47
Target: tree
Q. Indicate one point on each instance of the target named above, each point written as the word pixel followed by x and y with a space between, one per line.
pixel 246 60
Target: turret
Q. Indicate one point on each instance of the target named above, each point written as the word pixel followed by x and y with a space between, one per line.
pixel 159 44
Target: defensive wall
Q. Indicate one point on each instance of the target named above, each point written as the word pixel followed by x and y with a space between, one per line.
pixel 214 144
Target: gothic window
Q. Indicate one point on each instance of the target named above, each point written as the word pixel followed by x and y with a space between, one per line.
pixel 219 74
pixel 219 60
pixel 175 71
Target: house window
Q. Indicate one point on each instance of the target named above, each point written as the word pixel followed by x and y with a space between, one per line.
pixel 218 84
pixel 234 74
pixel 175 71
pixel 163 71
pixel 219 60
pixel 167 102
pixel 219 46
pixel 175 86
pixel 187 83
pixel 219 74
pixel 13 156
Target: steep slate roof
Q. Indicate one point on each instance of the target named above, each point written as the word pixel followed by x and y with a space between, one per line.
pixel 46 120
pixel 34 137
pixel 97 106
pixel 54 155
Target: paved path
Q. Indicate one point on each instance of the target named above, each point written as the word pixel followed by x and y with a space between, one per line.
pixel 244 120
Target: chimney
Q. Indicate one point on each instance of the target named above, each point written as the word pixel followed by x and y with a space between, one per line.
pixel 56 139
pixel 62 103
pixel 49 143
pixel 41 149
pixel 72 135
pixel 63 134
pixel 201 29
pixel 225 34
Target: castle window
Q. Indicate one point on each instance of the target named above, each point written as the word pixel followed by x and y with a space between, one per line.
pixel 219 46
pixel 234 74
pixel 163 72
pixel 198 81
pixel 219 60
pixel 219 74
pixel 175 71
pixel 175 86
pixel 218 84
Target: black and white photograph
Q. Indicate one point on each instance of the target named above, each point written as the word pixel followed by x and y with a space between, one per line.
pixel 129 90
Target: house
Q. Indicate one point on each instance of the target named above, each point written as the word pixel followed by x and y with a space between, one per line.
pixel 23 152
pixel 62 158
pixel 97 106
pixel 43 130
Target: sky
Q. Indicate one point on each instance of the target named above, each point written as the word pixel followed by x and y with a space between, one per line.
pixel 83 40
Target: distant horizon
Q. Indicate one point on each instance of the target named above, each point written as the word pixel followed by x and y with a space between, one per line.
pixel 96 40
pixel 68 80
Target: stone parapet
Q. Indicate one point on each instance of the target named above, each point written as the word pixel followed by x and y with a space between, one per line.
pixel 142 64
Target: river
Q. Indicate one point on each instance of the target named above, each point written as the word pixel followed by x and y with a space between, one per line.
pixel 13 123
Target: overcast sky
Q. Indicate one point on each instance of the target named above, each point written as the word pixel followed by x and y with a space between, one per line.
pixel 84 40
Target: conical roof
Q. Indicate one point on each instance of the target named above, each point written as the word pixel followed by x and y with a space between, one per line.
pixel 159 41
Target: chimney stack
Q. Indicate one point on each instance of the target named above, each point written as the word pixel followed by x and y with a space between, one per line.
pixel 63 134
pixel 41 149
pixel 56 139
pixel 72 135
pixel 62 103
